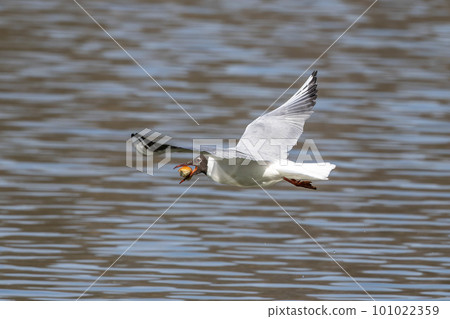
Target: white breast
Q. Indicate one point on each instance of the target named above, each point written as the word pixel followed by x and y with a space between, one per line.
pixel 224 172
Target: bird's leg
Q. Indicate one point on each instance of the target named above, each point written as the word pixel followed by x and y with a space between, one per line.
pixel 299 183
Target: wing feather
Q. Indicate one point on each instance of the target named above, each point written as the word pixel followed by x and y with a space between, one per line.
pixel 149 146
pixel 281 128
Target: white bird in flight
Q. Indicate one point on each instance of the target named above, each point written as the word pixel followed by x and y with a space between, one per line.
pixel 261 156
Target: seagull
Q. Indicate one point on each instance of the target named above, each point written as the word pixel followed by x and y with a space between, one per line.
pixel 260 158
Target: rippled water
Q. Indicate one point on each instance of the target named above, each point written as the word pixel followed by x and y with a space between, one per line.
pixel 70 98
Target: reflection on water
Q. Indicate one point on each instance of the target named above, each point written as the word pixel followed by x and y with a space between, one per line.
pixel 70 98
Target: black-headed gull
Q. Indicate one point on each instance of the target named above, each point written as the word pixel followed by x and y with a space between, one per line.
pixel 260 157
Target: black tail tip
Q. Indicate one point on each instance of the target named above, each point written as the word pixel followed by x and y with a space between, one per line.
pixel 314 73
pixel 133 134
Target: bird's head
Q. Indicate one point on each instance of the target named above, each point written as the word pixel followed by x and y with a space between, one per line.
pixel 200 164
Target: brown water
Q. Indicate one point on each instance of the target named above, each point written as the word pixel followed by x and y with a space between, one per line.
pixel 70 98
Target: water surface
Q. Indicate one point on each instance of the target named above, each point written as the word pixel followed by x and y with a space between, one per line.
pixel 70 98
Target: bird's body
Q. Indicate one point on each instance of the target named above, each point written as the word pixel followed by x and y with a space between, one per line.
pixel 264 174
pixel 260 157
pixel 221 171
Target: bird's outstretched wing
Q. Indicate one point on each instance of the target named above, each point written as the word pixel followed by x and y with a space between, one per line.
pixel 149 146
pixel 271 136
pixel 146 145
